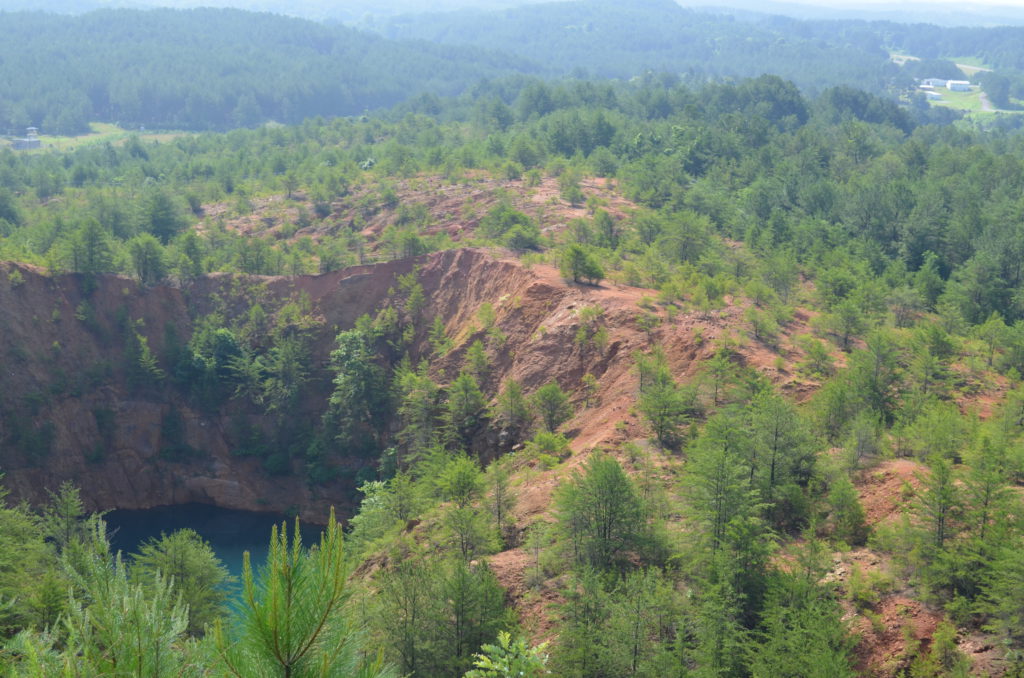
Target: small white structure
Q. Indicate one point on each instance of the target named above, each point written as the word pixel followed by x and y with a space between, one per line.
pixel 958 86
pixel 30 142
pixel 934 82
pixel 932 95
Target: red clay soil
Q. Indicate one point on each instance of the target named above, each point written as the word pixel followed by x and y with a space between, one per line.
pixel 987 659
pixel 882 488
pixel 895 629
pixel 454 208
pixel 981 394
pixel 540 319
pixel 457 209
pixel 535 309
pixel 538 313
pixel 534 607
pixel 903 628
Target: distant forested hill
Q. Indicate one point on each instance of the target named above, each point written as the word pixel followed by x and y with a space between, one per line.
pixel 216 69
pixel 213 69
pixel 621 39
pixel 320 10
pixel 1001 47
pixel 938 13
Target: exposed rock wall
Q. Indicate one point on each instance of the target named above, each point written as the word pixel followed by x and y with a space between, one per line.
pixel 63 351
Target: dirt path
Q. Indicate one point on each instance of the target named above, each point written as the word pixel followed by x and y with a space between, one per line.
pixel 986 105
pixel 971 70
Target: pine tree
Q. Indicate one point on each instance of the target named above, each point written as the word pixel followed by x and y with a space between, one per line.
pixel 360 396
pixel 477 362
pixel 638 620
pixel 501 499
pixel 435 614
pixel 469 533
pixel 410 605
pixel 801 632
pixel 475 604
pixel 720 636
pixel 512 413
pixel 665 407
pixel 583 632
pixel 293 622
pixel 510 658
pixel 64 518
pixel 578 265
pixel 439 340
pixel 781 458
pixel 847 513
pixel 460 481
pixel 90 249
pixel 417 410
pixel 466 409
pixel 600 513
pixel 720 491
pixel 148 261
pixel 1002 602
pixel 988 499
pixel 552 405
pixel 198 576
pixel 938 502
pixel 116 626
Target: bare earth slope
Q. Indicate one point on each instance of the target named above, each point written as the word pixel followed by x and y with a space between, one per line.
pixel 62 365
pixel 63 351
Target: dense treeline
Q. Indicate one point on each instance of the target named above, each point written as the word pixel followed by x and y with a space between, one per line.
pixel 598 38
pixel 93 612
pixel 673 556
pixel 208 69
pixel 857 203
pixel 999 47
pixel 317 10
pixel 937 48
pixel 837 177
pixel 212 69
pixel 616 40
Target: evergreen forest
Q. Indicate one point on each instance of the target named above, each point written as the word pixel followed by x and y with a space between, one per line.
pixel 633 368
pixel 219 69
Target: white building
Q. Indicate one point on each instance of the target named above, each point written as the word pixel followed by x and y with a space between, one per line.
pixel 30 142
pixel 958 86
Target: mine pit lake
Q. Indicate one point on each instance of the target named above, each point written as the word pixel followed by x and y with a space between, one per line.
pixel 229 532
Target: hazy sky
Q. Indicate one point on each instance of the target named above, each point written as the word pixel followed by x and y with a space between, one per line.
pixel 853 4
pixel 987 12
pixel 982 10
pixel 959 3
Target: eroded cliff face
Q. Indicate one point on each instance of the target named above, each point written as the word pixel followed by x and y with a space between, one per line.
pixel 69 409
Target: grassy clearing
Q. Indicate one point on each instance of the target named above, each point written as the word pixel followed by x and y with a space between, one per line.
pixel 899 58
pixel 968 65
pixel 961 101
pixel 970 71
pixel 974 62
pixel 970 102
pixel 101 132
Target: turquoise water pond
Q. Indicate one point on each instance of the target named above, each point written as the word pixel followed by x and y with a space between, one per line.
pixel 228 531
